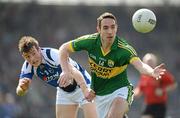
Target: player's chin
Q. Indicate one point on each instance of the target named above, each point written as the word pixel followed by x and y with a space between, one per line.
pixel 110 39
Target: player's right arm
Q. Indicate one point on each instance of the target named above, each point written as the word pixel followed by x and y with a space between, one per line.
pixel 64 52
pixel 23 86
pixel 82 43
pixel 25 79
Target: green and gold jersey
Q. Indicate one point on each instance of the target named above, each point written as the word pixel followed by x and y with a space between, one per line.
pixel 108 71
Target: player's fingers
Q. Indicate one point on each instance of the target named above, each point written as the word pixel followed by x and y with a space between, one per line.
pixel 163 70
pixel 23 87
pixel 159 77
pixel 161 73
pixel 162 65
pixel 66 84
pixel 62 80
pixel 25 81
pixel 58 81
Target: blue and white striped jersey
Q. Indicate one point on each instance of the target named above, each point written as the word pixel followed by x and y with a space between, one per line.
pixel 50 69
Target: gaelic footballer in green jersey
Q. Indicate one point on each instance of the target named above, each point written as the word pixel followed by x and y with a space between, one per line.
pixel 109 57
pixel 108 70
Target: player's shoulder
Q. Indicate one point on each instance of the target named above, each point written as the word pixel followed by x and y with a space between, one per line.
pixel 122 41
pixel 47 50
pixel 26 66
pixel 123 44
pixel 89 36
pixel 50 53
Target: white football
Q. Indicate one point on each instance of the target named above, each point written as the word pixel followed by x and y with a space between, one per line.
pixel 144 20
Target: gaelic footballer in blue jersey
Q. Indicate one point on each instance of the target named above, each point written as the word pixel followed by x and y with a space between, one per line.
pixel 44 63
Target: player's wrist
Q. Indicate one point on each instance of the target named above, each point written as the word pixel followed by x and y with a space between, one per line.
pixel 81 83
pixel 83 86
pixel 152 73
pixel 92 91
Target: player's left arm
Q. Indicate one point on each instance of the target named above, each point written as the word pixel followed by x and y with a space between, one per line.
pixel 146 69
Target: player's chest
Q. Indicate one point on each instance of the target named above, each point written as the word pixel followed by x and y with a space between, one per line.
pixel 101 60
pixel 111 59
pixel 48 73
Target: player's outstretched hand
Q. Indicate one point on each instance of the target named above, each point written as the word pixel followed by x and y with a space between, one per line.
pixel 158 71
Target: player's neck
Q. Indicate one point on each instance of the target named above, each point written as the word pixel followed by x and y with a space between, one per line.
pixel 106 47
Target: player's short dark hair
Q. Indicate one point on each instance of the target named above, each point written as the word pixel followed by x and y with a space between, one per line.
pixel 26 43
pixel 103 16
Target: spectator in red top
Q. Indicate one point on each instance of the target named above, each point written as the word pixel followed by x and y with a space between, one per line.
pixel 154 91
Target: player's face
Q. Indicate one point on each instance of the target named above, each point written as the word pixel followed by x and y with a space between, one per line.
pixel 33 57
pixel 108 30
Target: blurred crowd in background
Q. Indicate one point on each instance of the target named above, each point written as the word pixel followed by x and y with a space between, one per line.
pixel 53 25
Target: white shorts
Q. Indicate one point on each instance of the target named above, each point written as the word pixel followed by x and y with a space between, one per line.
pixel 103 103
pixel 75 97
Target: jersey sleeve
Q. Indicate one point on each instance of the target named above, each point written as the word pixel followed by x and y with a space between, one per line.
pixel 129 54
pixel 82 43
pixel 52 56
pixel 26 71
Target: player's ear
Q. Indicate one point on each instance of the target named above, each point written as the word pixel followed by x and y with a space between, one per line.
pixel 98 29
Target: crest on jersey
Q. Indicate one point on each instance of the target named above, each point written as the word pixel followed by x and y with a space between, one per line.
pixel 110 63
